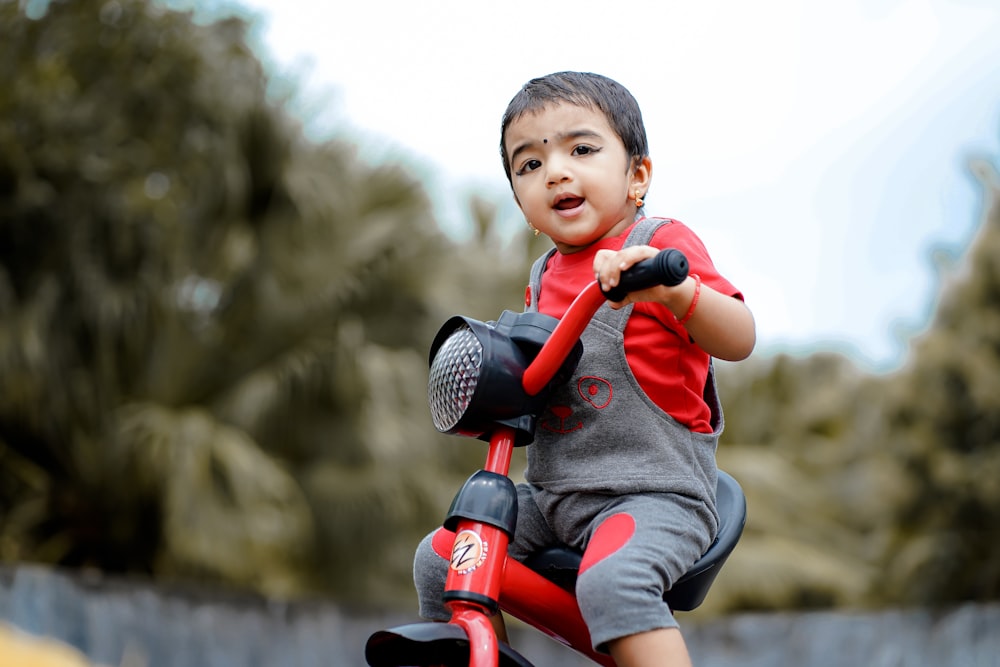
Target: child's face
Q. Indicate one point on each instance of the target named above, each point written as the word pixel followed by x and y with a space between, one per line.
pixel 571 175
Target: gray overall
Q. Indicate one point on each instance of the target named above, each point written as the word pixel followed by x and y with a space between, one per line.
pixel 604 449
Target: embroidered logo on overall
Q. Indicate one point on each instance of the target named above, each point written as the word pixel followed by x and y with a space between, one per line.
pixel 560 425
pixel 594 390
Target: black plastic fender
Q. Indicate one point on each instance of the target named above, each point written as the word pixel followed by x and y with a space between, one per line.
pixel 429 644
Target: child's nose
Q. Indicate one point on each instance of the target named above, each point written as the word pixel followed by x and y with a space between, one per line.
pixel 558 172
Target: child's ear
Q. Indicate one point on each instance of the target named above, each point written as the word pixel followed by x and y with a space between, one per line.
pixel 642 174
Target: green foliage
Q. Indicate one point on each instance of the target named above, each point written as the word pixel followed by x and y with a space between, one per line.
pixel 210 326
pixel 870 490
pixel 944 428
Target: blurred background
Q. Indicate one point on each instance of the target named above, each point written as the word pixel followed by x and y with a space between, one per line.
pixel 220 274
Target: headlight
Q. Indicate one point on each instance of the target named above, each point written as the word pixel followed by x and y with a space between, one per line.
pixel 475 377
pixel 454 377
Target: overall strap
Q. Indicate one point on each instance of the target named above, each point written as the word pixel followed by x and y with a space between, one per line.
pixel 644 231
pixel 535 280
pixel 641 234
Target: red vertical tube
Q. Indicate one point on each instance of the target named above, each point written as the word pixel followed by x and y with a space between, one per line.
pixel 479 549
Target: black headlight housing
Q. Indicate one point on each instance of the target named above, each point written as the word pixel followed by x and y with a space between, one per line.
pixel 476 370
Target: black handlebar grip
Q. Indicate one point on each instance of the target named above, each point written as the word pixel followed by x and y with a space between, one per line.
pixel 669 267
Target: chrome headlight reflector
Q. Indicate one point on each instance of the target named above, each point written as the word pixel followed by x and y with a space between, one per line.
pixel 454 376
pixel 475 377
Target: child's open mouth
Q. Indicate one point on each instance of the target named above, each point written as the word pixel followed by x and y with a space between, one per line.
pixel 569 203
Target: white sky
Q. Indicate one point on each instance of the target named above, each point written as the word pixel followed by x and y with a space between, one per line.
pixel 819 149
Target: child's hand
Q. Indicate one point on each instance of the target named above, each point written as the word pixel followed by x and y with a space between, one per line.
pixel 608 267
pixel 721 325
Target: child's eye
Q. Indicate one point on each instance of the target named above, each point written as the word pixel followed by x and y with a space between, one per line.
pixel 529 165
pixel 584 150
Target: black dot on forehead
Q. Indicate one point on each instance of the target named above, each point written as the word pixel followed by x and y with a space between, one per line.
pixel 545 141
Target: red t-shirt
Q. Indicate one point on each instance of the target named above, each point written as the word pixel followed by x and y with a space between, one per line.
pixel 669 367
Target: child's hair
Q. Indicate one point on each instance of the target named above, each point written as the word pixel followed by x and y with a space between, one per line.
pixel 586 90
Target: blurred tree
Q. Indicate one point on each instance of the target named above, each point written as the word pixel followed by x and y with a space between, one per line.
pixel 943 428
pixel 875 489
pixel 796 439
pixel 210 327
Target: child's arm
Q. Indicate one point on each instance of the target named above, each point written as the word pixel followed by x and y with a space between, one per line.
pixel 721 325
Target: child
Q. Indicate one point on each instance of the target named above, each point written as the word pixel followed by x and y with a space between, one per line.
pixel 623 461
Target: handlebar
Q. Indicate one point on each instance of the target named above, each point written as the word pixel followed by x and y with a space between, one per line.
pixel 669 267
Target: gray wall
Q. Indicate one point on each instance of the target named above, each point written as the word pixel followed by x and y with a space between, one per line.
pixel 174 627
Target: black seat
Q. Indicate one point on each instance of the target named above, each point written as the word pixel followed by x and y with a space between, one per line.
pixel 560 564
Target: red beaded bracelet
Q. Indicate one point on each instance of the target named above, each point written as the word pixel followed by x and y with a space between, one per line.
pixel 694 300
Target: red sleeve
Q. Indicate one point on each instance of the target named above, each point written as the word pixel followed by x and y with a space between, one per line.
pixel 672 369
pixel 678 235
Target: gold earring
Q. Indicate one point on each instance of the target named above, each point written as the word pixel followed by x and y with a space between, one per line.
pixel 532 228
pixel 638 200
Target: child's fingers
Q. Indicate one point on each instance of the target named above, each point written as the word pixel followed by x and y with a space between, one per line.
pixel 608 264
